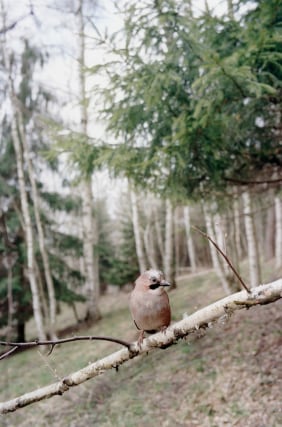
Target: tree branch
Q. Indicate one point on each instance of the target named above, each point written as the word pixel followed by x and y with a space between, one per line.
pixel 257 182
pixel 53 343
pixel 223 308
pixel 225 257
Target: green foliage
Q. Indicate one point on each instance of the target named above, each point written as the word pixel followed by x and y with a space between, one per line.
pixel 60 202
pixel 68 281
pixel 186 100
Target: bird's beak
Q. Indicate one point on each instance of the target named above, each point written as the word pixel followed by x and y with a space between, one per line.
pixel 164 283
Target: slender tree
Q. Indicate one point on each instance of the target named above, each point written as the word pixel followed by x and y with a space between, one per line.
pixel 89 225
pixel 138 233
pixel 253 255
pixel 278 233
pixel 190 242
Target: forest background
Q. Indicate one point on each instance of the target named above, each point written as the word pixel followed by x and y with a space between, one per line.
pixel 122 129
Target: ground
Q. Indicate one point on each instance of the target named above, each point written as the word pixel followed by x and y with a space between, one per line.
pixel 231 376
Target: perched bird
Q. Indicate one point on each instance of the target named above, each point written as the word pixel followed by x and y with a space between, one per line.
pixel 149 303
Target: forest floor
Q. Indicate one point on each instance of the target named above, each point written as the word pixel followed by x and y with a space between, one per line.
pixel 232 376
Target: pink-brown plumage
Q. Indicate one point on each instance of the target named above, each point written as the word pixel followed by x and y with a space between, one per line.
pixel 149 303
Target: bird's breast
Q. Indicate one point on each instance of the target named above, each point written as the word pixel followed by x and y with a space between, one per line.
pixel 150 311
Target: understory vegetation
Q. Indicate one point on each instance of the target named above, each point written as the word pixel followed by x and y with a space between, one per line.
pixel 228 377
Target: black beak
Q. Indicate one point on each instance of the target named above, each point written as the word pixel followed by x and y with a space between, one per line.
pixel 164 283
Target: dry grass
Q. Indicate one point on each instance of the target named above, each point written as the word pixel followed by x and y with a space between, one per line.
pixel 230 377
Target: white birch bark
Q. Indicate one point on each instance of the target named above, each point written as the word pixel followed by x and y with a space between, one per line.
pixel 23 196
pixel 169 269
pixel 159 233
pixel 217 311
pixel 28 235
pixel 39 226
pixel 220 236
pixel 190 242
pixel 278 234
pixel 214 254
pixel 88 221
pixel 268 234
pixel 237 233
pixel 141 256
pixel 150 247
pixel 176 240
pixel 253 255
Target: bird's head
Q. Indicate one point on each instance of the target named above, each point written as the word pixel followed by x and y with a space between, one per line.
pixel 152 281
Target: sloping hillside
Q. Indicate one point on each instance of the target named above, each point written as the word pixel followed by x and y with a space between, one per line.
pixel 230 377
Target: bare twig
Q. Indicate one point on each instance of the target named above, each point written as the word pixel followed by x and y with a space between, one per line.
pixel 12 350
pixel 225 257
pixel 53 343
pixel 263 294
pixel 257 182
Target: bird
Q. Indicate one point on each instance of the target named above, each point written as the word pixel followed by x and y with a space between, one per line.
pixel 149 303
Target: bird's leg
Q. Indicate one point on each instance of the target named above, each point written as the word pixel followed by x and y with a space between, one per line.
pixel 141 338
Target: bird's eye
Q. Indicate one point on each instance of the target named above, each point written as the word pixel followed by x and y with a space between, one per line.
pixel 154 283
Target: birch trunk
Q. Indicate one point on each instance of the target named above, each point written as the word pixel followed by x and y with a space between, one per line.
pixel 169 268
pixel 28 234
pixel 237 234
pixel 39 226
pixel 253 255
pixel 141 256
pixel 269 235
pixel 220 236
pixel 159 234
pixel 214 254
pixel 176 241
pixel 88 221
pixel 150 247
pixel 23 196
pixel 190 243
pixel 278 234
pixel 90 258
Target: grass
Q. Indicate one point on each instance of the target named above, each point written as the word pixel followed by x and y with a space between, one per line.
pixel 230 377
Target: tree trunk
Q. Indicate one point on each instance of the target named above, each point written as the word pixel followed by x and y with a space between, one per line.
pixel 237 232
pixel 278 233
pixel 214 254
pixel 253 255
pixel 269 235
pixel 176 241
pixel 24 205
pixel 159 234
pixel 89 225
pixel 230 9
pixel 190 243
pixel 138 233
pixel 150 247
pixel 90 258
pixel 28 235
pixel 39 226
pixel 169 268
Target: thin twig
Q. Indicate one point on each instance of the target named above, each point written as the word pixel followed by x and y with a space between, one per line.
pixel 53 343
pixel 8 353
pixel 225 257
